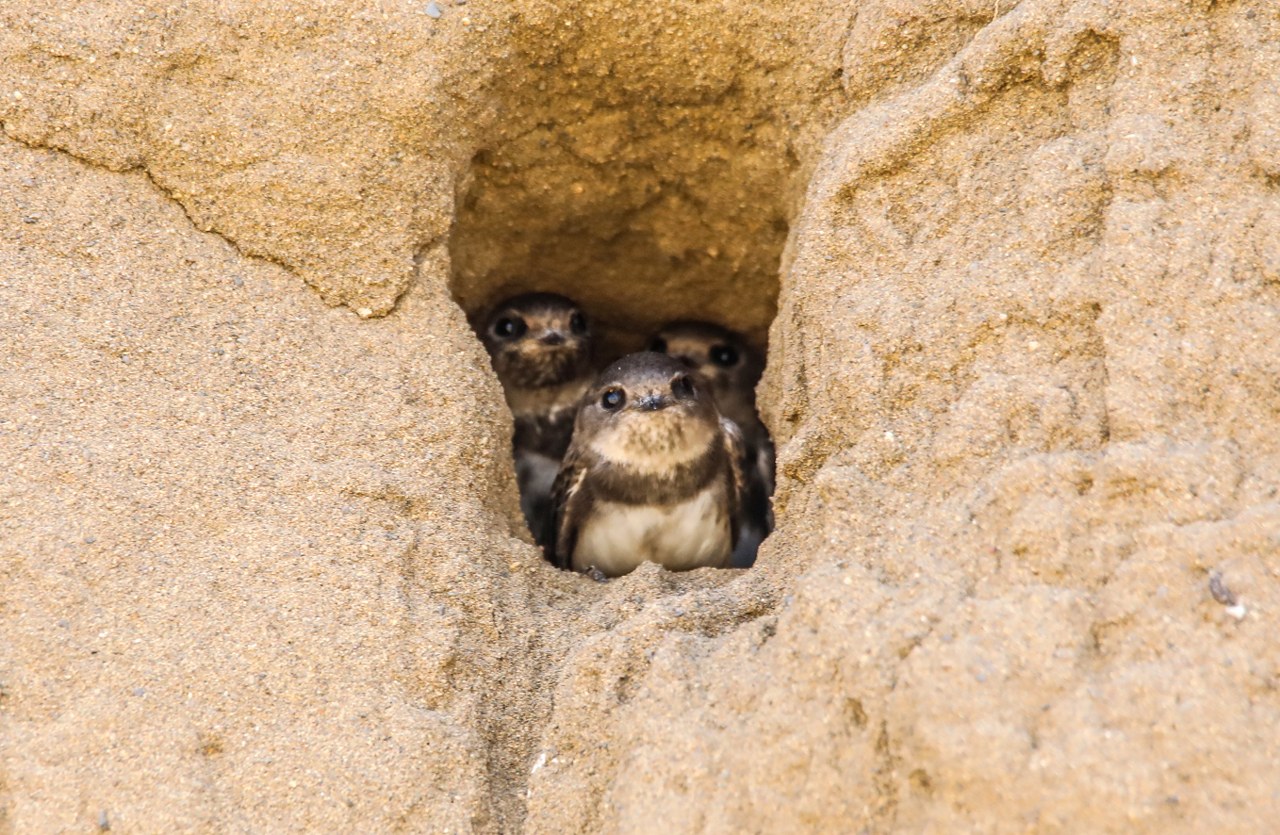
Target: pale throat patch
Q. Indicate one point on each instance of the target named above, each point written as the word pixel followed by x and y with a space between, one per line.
pixel 545 401
pixel 653 442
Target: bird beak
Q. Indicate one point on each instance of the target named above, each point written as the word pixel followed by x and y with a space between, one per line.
pixel 652 402
pixel 688 362
pixel 552 337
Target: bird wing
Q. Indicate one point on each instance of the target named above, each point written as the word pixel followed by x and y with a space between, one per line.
pixel 567 500
pixel 760 472
pixel 735 451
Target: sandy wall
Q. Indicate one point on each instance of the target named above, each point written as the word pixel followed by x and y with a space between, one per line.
pixel 261 564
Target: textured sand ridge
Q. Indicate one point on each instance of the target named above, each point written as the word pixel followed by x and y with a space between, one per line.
pixel 261 562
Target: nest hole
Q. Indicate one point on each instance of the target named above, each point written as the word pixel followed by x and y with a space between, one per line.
pixel 642 173
pixel 644 181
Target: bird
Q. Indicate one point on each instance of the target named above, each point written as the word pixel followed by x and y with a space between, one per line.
pixel 652 473
pixel 541 347
pixel 732 367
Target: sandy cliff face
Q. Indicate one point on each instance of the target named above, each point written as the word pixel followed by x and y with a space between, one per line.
pixel 261 564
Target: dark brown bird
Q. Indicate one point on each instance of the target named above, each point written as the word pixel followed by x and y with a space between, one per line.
pixel 541 348
pixel 652 473
pixel 732 368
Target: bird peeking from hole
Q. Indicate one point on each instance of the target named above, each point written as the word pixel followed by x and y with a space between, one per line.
pixel 732 368
pixel 652 473
pixel 541 348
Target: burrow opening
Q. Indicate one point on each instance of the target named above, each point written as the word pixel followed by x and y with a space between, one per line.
pixel 649 176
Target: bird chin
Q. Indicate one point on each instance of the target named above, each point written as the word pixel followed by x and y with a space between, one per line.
pixel 539 351
pixel 653 442
pixel 545 365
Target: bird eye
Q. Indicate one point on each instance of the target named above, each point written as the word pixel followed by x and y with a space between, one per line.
pixel 658 345
pixel 724 355
pixel 682 387
pixel 578 323
pixel 613 399
pixel 509 326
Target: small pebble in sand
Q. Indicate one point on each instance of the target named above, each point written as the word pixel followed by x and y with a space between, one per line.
pixel 433 10
pixel 1218 588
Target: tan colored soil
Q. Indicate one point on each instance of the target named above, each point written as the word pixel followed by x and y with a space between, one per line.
pixel 261 563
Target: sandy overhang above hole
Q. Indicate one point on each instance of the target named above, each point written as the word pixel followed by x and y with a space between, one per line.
pixel 647 177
